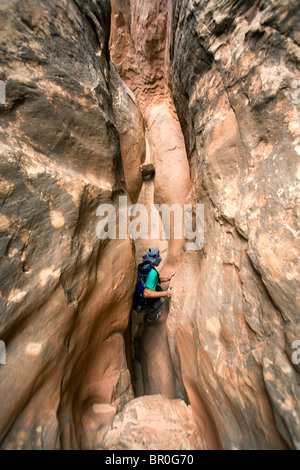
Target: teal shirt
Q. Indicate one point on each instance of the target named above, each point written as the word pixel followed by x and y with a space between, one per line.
pixel 152 280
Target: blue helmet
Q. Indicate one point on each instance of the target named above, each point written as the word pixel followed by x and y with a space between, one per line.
pixel 152 256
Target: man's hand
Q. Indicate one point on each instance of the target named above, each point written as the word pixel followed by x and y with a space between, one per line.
pixel 169 292
pixel 171 275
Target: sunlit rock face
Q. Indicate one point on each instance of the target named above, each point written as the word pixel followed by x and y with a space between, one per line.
pixel 232 72
pixel 205 94
pixel 233 80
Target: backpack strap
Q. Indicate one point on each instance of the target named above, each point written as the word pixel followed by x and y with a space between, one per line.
pixel 157 273
pixel 143 270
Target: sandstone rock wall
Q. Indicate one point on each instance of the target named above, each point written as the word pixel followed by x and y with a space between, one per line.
pixel 202 90
pixel 233 92
pixel 65 295
pixel 231 69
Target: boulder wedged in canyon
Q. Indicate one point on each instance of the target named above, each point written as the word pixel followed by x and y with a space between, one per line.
pixel 205 94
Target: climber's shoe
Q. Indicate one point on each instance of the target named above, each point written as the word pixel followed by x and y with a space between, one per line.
pixel 151 319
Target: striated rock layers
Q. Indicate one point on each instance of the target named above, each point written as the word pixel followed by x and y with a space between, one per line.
pixel 65 295
pixel 239 317
pixel 205 94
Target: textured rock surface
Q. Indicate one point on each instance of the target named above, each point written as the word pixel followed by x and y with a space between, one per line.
pixel 240 315
pixel 65 296
pixel 234 315
pixel 206 94
pixel 154 423
pixel 145 68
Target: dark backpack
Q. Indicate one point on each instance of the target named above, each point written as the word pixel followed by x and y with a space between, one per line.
pixel 143 271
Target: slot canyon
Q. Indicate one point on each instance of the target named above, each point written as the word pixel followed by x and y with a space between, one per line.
pixel 205 94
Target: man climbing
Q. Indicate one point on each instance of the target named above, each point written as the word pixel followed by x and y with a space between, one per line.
pixel 150 292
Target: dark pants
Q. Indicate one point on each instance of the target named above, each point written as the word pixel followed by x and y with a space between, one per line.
pixel 154 309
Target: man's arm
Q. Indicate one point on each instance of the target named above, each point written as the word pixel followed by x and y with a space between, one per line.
pixel 167 279
pixel 153 294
